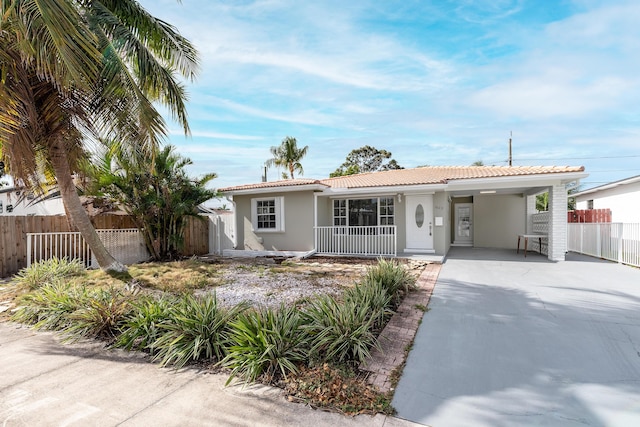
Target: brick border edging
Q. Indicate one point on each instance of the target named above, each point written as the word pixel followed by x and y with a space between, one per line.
pixel 400 331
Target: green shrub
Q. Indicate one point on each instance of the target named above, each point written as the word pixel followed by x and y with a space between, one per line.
pixel 51 306
pixel 102 315
pixel 394 277
pixel 47 272
pixel 267 341
pixel 339 331
pixel 196 330
pixel 142 326
pixel 374 296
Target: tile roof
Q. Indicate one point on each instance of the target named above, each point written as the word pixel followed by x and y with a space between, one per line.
pixel 273 184
pixel 416 176
pixel 440 175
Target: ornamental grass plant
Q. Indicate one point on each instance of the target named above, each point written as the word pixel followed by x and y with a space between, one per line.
pixel 197 329
pixel 267 342
pixel 47 272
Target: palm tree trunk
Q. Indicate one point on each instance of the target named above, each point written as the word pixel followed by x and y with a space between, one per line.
pixel 74 208
pixel 291 169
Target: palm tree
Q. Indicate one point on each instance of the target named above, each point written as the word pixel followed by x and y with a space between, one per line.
pixel 158 195
pixel 288 156
pixel 75 70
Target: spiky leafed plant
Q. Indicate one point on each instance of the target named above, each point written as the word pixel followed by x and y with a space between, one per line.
pixel 268 341
pixel 197 329
pixel 73 70
pixel 287 155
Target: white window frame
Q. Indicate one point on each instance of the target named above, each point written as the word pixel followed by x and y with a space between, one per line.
pixel 333 207
pixel 279 213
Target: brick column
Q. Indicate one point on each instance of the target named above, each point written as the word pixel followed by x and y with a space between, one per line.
pixel 557 222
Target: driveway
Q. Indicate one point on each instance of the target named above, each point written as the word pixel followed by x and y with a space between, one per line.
pixel 510 341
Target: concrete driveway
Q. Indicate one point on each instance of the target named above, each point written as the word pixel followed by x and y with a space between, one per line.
pixel 510 341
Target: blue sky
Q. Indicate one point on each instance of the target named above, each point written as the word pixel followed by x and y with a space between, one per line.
pixel 434 82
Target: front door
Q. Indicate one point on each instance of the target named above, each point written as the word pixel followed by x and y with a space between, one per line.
pixel 463 224
pixel 419 219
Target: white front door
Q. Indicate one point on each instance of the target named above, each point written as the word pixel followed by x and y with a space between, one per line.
pixel 463 224
pixel 419 219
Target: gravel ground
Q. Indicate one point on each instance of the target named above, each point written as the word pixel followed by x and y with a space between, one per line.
pixel 271 289
pixel 265 286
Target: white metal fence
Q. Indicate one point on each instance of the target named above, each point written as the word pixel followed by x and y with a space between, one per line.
pixel 614 241
pixel 126 245
pixel 378 240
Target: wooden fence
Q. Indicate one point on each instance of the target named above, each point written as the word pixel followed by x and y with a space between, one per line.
pixel 14 229
pixel 589 215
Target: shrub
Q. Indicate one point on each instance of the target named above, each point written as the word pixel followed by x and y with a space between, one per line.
pixel 394 277
pixel 142 325
pixel 374 296
pixel 102 315
pixel 339 331
pixel 196 329
pixel 47 272
pixel 51 306
pixel 267 341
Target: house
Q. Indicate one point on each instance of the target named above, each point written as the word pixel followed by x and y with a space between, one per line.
pixel 17 202
pixel 407 211
pixel 621 197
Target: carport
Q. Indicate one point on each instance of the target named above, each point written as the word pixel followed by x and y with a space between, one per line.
pixel 509 341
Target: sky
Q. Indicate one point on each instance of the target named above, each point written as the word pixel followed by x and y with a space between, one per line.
pixel 435 82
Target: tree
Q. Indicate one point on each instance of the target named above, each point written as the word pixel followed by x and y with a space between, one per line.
pixel 542 200
pixel 75 70
pixel 157 194
pixel 287 155
pixel 366 159
pixel 477 163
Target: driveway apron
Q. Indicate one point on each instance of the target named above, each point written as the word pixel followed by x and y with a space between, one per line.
pixel 514 341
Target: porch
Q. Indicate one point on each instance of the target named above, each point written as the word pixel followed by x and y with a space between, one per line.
pixel 380 240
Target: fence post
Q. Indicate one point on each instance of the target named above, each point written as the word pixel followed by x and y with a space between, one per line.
pixel 598 242
pixel 620 228
pixel 29 249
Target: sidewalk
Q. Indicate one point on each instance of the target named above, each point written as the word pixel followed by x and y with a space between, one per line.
pixel 45 383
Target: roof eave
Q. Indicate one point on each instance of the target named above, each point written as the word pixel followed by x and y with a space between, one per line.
pixel 282 189
pixel 609 186
pixel 363 191
pixel 518 180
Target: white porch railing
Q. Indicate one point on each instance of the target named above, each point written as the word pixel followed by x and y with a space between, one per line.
pixel 378 240
pixel 126 245
pixel 618 242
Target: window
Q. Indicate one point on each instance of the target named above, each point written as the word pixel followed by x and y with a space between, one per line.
pixel 267 214
pixel 589 204
pixel 363 212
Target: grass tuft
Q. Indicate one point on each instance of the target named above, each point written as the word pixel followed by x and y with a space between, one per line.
pixel 47 272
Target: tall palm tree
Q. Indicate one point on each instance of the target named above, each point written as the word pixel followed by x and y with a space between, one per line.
pixel 288 156
pixel 75 70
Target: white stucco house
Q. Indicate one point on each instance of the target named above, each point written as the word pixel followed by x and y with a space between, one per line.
pixel 422 210
pixel 622 197
pixel 14 201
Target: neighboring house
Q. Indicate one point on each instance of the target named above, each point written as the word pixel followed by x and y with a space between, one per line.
pixel 420 210
pixel 14 201
pixel 621 197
